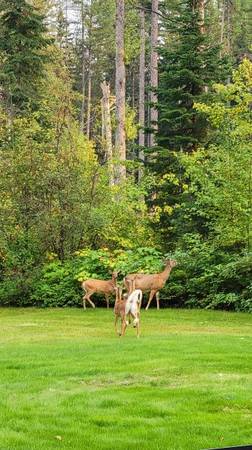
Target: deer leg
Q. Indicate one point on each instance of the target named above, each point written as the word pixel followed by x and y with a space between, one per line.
pixel 84 299
pixel 107 300
pixel 124 326
pixel 152 293
pixel 157 298
pixel 87 297
pixel 138 327
pixel 136 321
pixel 116 319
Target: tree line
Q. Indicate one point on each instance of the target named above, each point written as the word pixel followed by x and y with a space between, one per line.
pixel 125 128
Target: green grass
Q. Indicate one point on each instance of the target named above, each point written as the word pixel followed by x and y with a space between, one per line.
pixel 67 382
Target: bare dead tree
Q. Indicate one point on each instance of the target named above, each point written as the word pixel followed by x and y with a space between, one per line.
pixel 106 127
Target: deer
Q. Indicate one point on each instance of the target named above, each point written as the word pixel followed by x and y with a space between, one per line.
pixel 132 308
pixel 92 286
pixel 126 306
pixel 119 309
pixel 150 282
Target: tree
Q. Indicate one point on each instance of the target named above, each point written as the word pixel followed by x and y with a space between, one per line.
pixel 188 65
pixel 141 108
pixel 189 62
pixel 107 129
pixel 154 71
pixel 223 197
pixel 120 142
pixel 23 46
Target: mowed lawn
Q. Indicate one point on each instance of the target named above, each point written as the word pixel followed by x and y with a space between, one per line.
pixel 67 382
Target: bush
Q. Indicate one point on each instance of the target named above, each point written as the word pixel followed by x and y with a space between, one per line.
pixel 56 286
pixel 59 283
pixel 204 278
pixel 211 278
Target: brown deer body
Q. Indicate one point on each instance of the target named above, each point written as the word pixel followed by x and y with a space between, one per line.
pixel 119 310
pixel 150 282
pixel 93 286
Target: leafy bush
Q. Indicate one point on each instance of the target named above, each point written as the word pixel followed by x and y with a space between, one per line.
pixel 208 277
pixel 56 286
pixel 205 277
pixel 59 282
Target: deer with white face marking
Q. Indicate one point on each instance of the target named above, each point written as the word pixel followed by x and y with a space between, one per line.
pixel 150 282
pixel 92 286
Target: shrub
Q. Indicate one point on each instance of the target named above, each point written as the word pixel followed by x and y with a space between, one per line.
pixel 204 278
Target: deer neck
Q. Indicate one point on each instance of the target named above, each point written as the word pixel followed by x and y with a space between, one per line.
pixel 114 280
pixel 166 272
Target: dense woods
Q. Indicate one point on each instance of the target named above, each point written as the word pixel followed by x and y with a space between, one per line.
pixel 125 137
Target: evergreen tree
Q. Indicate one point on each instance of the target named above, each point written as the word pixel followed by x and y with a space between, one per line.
pixel 22 46
pixel 189 64
pixel 187 70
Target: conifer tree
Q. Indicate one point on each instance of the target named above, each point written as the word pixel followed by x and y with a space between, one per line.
pixel 189 64
pixel 22 46
pixel 187 70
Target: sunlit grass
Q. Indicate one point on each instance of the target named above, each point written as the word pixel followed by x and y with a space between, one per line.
pixel 67 382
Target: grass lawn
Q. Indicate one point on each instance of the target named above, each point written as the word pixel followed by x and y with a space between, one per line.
pixel 67 382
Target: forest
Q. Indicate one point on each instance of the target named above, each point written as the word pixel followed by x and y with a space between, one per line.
pixel 125 139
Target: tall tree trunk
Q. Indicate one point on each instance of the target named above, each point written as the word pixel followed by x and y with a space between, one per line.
pixel 222 24
pixel 133 87
pixel 89 75
pixel 82 69
pixel 120 139
pixel 89 100
pixel 106 127
pixel 154 69
pixel 141 138
pixel 229 27
pixel 201 10
pixel 200 5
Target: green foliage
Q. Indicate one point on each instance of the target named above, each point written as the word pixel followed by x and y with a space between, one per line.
pixel 221 174
pixel 22 51
pixel 189 64
pixel 55 196
pixel 59 283
pixel 204 278
pixel 210 277
pixel 55 286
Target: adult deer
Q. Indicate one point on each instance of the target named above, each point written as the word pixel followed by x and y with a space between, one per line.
pixel 93 286
pixel 150 282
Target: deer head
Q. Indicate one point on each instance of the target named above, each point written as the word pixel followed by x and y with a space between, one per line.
pixel 170 263
pixel 115 275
